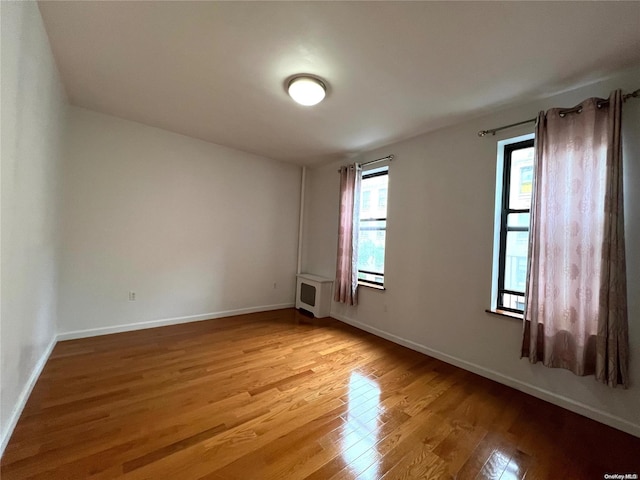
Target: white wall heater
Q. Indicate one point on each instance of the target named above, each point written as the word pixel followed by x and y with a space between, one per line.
pixel 313 293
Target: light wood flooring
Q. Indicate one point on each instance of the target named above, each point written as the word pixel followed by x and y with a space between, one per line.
pixel 278 395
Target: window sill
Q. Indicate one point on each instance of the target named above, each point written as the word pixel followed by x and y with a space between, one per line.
pixel 371 285
pixel 505 313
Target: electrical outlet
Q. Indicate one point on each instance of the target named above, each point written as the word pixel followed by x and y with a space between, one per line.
pixel 132 296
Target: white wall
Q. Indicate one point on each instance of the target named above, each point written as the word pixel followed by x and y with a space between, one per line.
pixel 195 229
pixel 439 255
pixel 33 110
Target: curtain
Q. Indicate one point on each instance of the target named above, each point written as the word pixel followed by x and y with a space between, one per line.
pixel 575 304
pixel 346 289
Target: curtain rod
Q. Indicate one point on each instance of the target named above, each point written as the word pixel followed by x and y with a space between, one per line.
pixel 388 157
pixel 492 131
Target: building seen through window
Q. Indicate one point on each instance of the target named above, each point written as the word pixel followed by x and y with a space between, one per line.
pixel 366 200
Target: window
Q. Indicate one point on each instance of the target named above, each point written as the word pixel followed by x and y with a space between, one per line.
pixel 514 205
pixel 372 230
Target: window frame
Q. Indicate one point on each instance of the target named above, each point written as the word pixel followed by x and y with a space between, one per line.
pixel 375 172
pixel 505 211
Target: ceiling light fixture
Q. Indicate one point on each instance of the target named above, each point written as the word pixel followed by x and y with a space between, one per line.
pixel 306 90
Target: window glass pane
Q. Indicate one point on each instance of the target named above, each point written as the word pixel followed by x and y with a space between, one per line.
pixel 515 262
pixel 371 243
pixel 373 197
pixel 518 220
pixel 513 301
pixel 521 181
pixel 370 277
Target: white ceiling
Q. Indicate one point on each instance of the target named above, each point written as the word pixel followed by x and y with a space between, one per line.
pixel 216 70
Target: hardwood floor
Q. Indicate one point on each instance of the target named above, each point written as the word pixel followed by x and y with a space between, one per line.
pixel 278 395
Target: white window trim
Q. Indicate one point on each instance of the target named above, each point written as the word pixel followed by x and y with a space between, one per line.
pixel 366 169
pixel 498 213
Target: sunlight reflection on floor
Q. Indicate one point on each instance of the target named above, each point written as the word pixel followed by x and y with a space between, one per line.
pixel 360 433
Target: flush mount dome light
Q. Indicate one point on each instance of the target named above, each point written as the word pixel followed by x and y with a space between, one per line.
pixel 306 90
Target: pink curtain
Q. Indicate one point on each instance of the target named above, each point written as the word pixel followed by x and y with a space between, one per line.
pixel 576 304
pixel 346 288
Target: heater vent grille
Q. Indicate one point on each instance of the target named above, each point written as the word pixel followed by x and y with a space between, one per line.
pixel 308 294
pixel 313 293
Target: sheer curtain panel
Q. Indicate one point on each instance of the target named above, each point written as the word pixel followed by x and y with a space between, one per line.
pixel 576 303
pixel 346 289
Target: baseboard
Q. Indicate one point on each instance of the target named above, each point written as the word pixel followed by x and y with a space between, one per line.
pixel 554 398
pixel 93 332
pixel 24 396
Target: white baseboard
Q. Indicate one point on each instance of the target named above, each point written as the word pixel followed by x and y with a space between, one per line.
pixel 24 395
pixel 93 332
pixel 559 400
